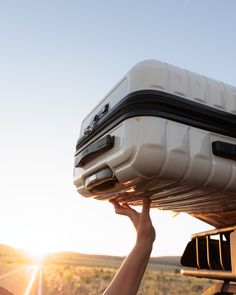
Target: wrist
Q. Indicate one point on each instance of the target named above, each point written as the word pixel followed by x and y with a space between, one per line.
pixel 146 238
pixel 144 243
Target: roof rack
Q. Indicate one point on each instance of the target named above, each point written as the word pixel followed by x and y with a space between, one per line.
pixel 212 258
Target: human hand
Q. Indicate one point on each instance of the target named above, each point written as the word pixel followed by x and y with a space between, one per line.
pixel 142 222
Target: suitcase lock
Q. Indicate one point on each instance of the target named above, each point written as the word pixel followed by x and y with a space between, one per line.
pixel 97 117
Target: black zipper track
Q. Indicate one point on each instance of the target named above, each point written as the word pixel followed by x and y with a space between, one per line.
pixel 165 105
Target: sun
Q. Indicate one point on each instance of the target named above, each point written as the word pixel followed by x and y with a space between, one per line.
pixel 37 250
pixel 37 253
pixel 37 238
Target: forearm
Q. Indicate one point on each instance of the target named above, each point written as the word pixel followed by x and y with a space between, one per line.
pixel 129 276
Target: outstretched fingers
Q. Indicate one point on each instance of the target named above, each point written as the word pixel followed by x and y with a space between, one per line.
pixel 123 209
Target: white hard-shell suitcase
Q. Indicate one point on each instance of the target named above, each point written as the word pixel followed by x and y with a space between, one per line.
pixel 165 133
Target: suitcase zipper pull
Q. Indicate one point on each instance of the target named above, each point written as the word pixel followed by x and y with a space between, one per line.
pixel 97 117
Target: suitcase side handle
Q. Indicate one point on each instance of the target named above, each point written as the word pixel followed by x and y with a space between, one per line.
pixel 224 149
pixel 93 150
pixel 101 180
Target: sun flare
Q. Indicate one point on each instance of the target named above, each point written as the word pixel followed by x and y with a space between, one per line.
pixel 37 249
pixel 37 253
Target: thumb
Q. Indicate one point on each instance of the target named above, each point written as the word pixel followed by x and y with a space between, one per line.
pixel 146 206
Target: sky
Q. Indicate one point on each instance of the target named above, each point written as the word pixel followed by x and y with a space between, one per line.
pixel 57 60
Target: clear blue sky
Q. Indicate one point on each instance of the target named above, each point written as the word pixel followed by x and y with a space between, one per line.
pixel 57 59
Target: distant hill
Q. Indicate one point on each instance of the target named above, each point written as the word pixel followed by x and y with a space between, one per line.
pixel 71 258
pixel 167 260
pixel 11 255
pixel 90 260
pixel 4 249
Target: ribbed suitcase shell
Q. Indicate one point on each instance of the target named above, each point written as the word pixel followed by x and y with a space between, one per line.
pixel 168 161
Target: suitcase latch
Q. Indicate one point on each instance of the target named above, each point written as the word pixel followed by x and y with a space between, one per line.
pixel 97 117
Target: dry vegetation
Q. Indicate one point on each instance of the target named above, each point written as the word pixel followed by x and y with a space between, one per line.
pixel 78 274
pixel 71 280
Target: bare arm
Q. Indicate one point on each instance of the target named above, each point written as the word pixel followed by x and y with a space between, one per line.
pixel 129 276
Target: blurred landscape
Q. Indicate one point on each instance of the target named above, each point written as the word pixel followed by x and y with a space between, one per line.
pixel 67 273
